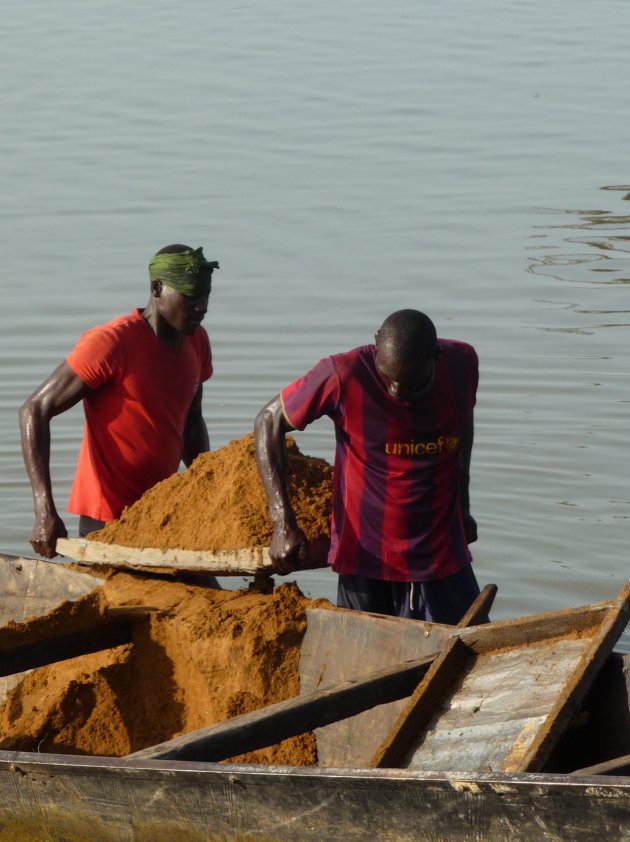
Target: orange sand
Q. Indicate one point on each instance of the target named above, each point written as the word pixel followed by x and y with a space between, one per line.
pixel 219 503
pixel 200 656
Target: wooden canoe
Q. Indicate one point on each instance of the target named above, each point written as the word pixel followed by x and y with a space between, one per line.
pixel 47 797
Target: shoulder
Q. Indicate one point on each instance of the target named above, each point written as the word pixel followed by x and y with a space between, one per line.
pixel 115 331
pixel 349 362
pixel 457 350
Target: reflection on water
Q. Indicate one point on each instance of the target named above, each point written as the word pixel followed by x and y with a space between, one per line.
pixel 607 255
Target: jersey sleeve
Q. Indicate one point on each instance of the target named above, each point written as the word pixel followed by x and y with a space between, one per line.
pixel 95 357
pixel 311 396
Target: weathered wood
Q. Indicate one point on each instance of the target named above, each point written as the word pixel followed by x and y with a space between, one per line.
pixel 342 645
pixel 479 610
pixel 426 698
pixel 514 695
pixel 601 730
pixel 48 798
pixel 579 682
pixel 242 562
pixel 616 766
pixel 272 724
pixel 32 587
pixel 104 635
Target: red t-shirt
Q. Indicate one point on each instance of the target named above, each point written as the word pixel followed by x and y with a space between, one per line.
pixel 136 413
pixel 396 511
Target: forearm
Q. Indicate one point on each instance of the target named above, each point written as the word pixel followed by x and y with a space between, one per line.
pixel 196 441
pixel 35 438
pixel 469 522
pixel 464 475
pixel 270 429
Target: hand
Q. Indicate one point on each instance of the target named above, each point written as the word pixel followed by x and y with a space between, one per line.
pixel 45 533
pixel 288 548
pixel 470 527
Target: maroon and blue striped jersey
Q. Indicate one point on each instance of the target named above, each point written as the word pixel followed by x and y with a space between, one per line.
pixel 396 509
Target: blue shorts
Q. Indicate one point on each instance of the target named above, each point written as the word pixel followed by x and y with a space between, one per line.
pixel 439 601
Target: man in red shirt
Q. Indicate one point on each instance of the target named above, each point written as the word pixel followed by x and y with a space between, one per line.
pixel 401 522
pixel 140 379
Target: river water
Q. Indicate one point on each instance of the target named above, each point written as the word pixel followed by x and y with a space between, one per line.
pixel 342 160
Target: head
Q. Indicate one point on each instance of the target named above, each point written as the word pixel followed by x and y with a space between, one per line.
pixel 180 285
pixel 406 353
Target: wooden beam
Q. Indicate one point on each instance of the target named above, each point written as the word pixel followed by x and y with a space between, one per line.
pixel 62 648
pixel 479 610
pixel 275 723
pixel 616 766
pixel 239 562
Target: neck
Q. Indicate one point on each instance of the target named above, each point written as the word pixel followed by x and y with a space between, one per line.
pixel 164 333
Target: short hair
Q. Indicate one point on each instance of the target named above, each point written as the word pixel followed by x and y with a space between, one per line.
pixel 407 334
pixel 176 248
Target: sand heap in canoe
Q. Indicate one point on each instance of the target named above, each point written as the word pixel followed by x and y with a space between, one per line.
pixel 219 503
pixel 198 656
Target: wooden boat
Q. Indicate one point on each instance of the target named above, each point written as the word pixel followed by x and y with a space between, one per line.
pixel 140 798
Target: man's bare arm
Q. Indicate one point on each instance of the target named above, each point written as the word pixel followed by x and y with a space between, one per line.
pixel 62 390
pixel 289 545
pixel 470 524
pixel 195 438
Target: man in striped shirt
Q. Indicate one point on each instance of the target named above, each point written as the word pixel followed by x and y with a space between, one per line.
pixel 401 523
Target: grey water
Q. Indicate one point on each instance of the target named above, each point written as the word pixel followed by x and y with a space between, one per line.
pixel 343 160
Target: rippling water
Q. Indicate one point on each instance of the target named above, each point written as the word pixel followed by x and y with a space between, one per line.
pixel 342 160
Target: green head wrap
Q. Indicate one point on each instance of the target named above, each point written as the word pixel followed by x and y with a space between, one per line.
pixel 187 272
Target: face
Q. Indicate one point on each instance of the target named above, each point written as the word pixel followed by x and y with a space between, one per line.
pixel 405 380
pixel 183 313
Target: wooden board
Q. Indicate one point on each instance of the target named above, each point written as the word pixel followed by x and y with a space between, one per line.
pixel 243 562
pixel 274 723
pixel 499 697
pixel 49 798
pixel 343 645
pixel 32 587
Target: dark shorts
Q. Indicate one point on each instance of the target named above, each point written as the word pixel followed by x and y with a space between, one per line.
pixel 439 601
pixel 88 524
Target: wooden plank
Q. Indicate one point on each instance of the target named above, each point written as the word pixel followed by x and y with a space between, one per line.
pixel 601 730
pixel 275 723
pixel 577 686
pixel 480 609
pixel 507 663
pixel 343 645
pixel 105 635
pixel 242 562
pixel 616 766
pixel 32 587
pixel 426 698
pixel 48 798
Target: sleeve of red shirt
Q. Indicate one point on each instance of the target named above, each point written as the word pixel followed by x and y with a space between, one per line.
pixel 311 396
pixel 205 354
pixel 94 357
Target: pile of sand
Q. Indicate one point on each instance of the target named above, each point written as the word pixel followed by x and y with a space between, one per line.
pixel 219 503
pixel 200 656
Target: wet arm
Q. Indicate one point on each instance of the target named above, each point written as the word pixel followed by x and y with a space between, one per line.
pixel 470 525
pixel 288 545
pixel 62 390
pixel 195 437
